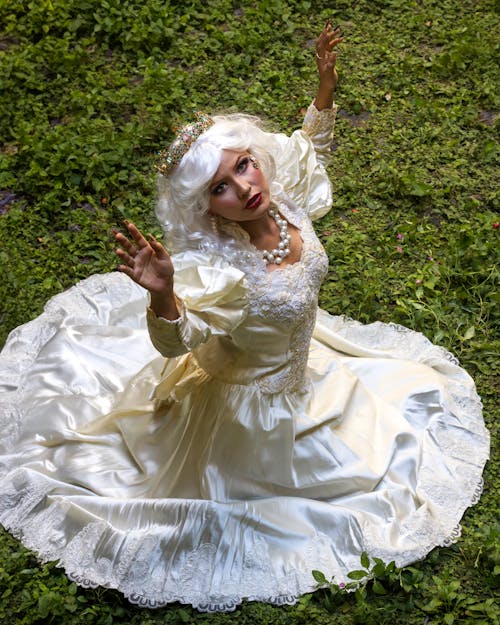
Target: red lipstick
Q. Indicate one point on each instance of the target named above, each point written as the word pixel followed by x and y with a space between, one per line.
pixel 254 201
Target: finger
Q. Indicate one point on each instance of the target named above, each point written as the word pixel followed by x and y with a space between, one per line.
pixel 127 271
pixel 125 243
pixel 333 50
pixel 158 248
pixel 335 40
pixel 125 257
pixel 332 31
pixel 329 42
pixel 323 34
pixel 136 234
pixel 120 238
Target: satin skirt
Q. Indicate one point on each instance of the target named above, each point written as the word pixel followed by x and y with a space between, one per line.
pixel 151 477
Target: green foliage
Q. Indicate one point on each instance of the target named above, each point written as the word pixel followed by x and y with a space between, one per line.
pixel 89 92
pixel 445 599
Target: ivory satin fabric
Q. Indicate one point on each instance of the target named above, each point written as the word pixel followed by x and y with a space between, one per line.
pixel 268 440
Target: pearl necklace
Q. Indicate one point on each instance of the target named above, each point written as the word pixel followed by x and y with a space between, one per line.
pixel 276 256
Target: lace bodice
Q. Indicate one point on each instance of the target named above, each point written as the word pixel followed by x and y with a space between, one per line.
pixel 289 297
pixel 285 295
pixel 270 346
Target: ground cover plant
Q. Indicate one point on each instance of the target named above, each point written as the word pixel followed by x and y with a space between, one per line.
pixel 89 92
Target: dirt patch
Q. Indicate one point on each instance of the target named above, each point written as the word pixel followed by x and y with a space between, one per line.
pixel 359 120
pixel 6 199
pixel 8 42
pixel 487 117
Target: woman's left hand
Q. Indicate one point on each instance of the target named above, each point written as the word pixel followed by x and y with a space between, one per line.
pixel 146 262
pixel 326 54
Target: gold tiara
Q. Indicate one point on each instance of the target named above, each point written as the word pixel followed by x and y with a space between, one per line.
pixel 185 137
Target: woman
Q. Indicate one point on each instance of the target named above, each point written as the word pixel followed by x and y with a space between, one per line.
pixel 273 439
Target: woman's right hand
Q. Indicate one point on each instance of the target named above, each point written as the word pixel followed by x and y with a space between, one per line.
pixel 326 60
pixel 326 53
pixel 145 261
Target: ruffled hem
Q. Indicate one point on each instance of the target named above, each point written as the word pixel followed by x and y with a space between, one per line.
pixel 26 513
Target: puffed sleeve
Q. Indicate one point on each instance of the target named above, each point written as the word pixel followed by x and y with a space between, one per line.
pixel 301 160
pixel 212 299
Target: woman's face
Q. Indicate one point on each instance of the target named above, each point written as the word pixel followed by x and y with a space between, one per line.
pixel 238 191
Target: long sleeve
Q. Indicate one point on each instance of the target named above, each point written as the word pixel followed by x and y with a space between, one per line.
pixel 212 300
pixel 301 160
pixel 319 127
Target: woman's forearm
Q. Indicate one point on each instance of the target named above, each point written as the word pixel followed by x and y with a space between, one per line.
pixel 324 95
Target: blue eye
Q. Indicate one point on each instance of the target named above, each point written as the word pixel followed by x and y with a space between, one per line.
pixel 242 165
pixel 219 188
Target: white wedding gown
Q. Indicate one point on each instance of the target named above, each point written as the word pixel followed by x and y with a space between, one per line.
pixel 275 438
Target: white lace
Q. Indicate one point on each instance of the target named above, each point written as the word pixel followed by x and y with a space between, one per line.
pixel 28 511
pixel 42 519
pixel 319 123
pixel 289 296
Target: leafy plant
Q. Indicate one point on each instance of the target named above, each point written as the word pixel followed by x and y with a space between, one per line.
pixel 90 90
pixel 445 598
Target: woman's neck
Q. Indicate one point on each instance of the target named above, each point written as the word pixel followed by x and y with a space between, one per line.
pixel 260 229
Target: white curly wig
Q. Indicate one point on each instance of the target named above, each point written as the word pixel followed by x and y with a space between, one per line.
pixel 183 196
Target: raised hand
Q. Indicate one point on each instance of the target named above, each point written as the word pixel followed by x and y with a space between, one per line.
pixel 145 261
pixel 326 55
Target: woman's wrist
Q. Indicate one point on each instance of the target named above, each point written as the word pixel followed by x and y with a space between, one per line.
pixel 163 304
pixel 329 81
pixel 324 96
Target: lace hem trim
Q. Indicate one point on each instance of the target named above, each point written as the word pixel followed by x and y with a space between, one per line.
pixel 31 514
pixel 85 562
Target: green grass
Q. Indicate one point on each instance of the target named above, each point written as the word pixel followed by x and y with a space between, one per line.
pixel 90 90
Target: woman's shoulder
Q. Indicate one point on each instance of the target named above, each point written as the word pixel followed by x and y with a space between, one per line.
pixel 203 278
